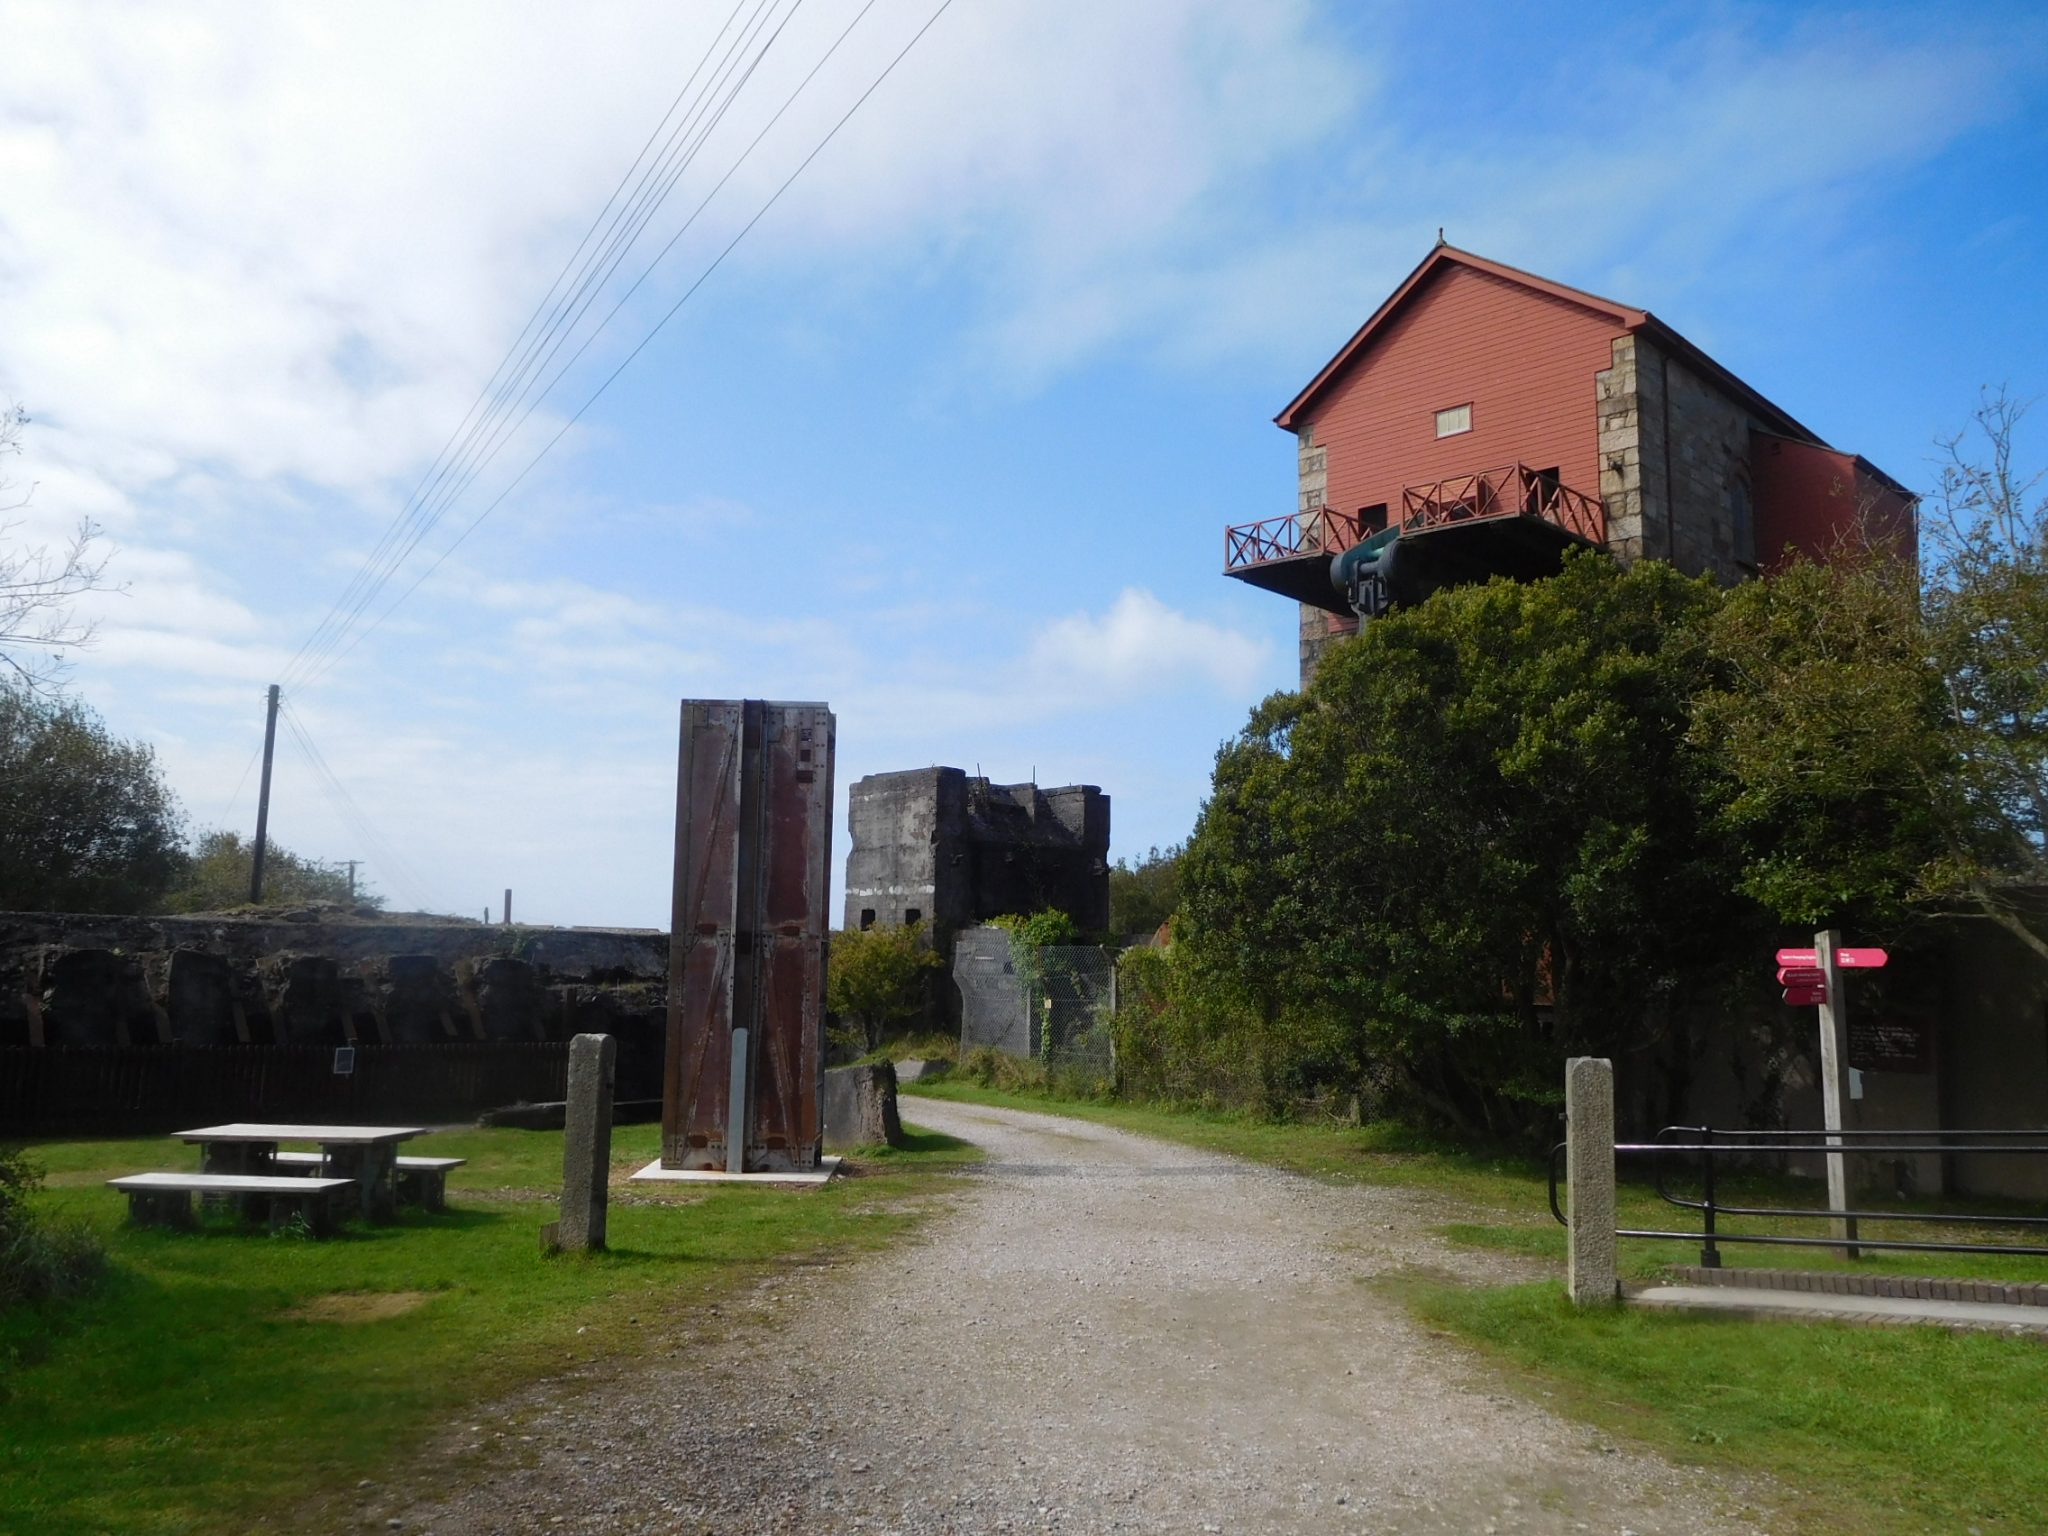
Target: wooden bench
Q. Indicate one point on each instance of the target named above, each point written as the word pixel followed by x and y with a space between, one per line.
pixel 165 1199
pixel 422 1181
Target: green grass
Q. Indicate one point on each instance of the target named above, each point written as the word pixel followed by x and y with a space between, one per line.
pixel 193 1391
pixel 1864 1430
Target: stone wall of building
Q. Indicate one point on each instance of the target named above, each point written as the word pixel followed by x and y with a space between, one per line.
pixel 86 980
pixel 1675 454
pixel 940 846
pixel 1320 629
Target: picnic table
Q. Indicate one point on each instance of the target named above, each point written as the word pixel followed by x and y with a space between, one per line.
pixel 365 1154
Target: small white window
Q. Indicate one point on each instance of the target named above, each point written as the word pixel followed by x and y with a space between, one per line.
pixel 1456 419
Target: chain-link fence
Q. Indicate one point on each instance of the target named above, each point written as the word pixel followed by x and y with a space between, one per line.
pixel 1071 992
pixel 1054 1004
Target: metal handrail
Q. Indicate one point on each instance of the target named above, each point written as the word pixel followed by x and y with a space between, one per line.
pixel 1512 490
pixel 1313 531
pixel 1711 1145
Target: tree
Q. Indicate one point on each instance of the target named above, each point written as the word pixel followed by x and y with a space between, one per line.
pixel 87 823
pixel 1882 728
pixel 218 878
pixel 1837 758
pixel 1986 607
pixel 39 585
pixel 880 977
pixel 1473 848
pixel 1144 895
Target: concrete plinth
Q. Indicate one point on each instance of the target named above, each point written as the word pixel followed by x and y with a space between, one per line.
pixel 654 1173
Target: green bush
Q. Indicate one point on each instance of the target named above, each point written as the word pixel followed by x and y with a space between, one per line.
pixel 40 1260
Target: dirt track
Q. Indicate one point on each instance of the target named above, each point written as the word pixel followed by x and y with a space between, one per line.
pixel 1109 1334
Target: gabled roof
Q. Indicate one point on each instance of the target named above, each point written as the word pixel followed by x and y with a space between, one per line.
pixel 1625 318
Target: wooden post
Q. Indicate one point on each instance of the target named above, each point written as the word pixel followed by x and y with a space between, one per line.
pixel 1834 1047
pixel 263 798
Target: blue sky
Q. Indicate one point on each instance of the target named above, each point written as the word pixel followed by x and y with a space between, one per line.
pixel 950 440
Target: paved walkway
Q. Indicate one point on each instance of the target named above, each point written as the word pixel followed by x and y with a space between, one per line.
pixel 1854 1309
pixel 1107 1334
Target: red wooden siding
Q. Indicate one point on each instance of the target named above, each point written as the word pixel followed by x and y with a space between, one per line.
pixel 1812 498
pixel 1525 360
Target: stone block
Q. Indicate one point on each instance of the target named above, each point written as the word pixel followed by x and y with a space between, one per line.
pixel 417 1000
pixel 199 997
pixel 304 998
pixel 95 997
pixel 1589 1171
pixel 510 1000
pixel 587 1142
pixel 858 1106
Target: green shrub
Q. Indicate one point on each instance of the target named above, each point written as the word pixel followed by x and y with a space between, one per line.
pixel 40 1260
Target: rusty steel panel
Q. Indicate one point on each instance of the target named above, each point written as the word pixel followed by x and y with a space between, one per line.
pixel 747 950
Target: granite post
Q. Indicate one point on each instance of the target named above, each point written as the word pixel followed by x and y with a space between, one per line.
pixel 1589 1179
pixel 587 1141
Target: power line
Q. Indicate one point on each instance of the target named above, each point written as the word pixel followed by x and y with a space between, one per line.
pixel 643 343
pixel 493 435
pixel 235 795
pixel 344 806
pixel 477 438
pixel 407 509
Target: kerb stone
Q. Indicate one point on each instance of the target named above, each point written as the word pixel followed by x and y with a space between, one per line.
pixel 587 1141
pixel 1589 1176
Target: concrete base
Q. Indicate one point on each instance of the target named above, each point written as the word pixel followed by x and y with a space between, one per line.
pixel 654 1173
pixel 1816 1306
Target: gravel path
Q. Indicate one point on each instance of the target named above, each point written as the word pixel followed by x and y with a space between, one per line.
pixel 1108 1334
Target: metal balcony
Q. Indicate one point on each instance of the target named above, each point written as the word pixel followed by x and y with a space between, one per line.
pixel 1511 521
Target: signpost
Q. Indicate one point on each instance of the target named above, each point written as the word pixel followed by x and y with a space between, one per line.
pixel 1812 978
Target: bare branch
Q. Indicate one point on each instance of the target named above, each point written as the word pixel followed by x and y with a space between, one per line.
pixel 39 587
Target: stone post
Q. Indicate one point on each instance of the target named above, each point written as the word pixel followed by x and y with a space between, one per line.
pixel 587 1141
pixel 1589 1176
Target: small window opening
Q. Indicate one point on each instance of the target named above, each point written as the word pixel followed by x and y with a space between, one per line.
pixel 1454 419
pixel 1372 519
pixel 867 918
pixel 912 916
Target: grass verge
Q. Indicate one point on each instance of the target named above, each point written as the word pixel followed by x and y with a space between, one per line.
pixel 1868 1430
pixel 1884 1431
pixel 219 1379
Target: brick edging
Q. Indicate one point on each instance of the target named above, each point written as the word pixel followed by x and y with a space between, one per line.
pixel 1897 1287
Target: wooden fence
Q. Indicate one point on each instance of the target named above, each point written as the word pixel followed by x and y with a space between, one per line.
pixel 116 1090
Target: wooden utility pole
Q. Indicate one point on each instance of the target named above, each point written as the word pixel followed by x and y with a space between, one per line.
pixel 352 878
pixel 263 799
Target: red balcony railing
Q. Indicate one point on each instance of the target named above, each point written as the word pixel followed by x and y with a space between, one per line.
pixel 1319 531
pixel 1512 491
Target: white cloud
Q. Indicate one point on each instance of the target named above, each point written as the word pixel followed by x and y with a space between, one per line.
pixel 255 263
pixel 1140 644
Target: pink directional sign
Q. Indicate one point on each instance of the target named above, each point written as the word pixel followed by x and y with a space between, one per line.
pixel 1805 997
pixel 1801 975
pixel 1847 959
